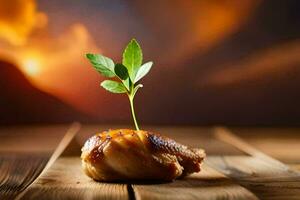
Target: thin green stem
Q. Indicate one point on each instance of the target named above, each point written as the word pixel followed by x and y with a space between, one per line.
pixel 133 113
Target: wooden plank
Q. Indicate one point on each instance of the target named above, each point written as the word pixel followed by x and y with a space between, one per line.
pixel 66 140
pixel 245 177
pixel 226 135
pixel 263 178
pixel 24 152
pixel 208 184
pixel 273 141
pixel 17 171
pixel 31 139
pixel 65 180
pixel 267 177
pixel 74 128
pixel 295 166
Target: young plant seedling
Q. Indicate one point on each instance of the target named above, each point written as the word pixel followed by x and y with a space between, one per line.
pixel 128 73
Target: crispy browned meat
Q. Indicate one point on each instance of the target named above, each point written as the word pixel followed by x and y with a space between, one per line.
pixel 118 155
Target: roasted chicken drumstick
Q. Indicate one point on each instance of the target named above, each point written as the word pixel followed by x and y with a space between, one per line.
pixel 118 155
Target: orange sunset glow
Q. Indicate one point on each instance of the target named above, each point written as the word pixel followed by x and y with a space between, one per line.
pixel 47 61
pixel 31 66
pixel 214 46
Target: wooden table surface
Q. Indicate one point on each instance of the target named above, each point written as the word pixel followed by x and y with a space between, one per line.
pixel 42 162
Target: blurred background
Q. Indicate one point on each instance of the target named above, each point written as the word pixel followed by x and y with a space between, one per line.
pixel 226 62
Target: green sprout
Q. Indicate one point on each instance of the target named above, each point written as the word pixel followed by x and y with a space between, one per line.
pixel 128 73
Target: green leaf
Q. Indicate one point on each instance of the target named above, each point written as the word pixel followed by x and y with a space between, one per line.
pixel 102 64
pixel 144 69
pixel 126 83
pixel 113 86
pixel 132 58
pixel 121 71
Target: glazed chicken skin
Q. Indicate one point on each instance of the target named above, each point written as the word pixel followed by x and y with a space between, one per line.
pixel 119 155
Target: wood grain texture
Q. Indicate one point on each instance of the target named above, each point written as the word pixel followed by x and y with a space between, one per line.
pixel 266 180
pixel 65 180
pixel 260 173
pixel 227 136
pixel 24 152
pixel 208 184
pixel 243 172
pixel 17 171
pixel 280 143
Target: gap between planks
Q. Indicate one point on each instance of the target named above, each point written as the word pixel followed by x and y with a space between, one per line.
pixel 227 136
pixel 72 131
pixel 265 176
